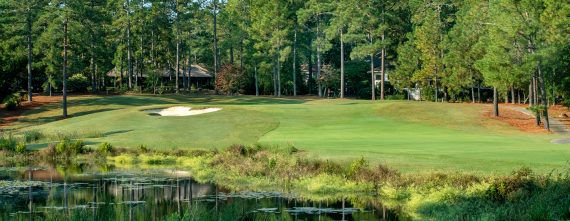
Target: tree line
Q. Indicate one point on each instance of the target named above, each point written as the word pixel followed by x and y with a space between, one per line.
pixel 445 50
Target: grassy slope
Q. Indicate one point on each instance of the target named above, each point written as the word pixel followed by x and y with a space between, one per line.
pixel 407 135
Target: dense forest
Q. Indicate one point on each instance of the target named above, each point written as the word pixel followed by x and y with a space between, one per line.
pixel 443 50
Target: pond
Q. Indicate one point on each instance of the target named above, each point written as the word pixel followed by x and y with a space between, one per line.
pixel 52 193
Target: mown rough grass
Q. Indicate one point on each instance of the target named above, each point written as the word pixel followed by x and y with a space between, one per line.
pixel 410 136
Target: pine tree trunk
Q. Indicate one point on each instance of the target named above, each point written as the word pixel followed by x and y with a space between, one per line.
pixel 122 71
pixel 177 47
pixel 152 48
pixel 274 79
pixel 535 90
pixel 141 60
pixel 382 74
pixel 136 64
pixel 29 38
pixel 215 38
pixel 177 65
pixel 310 80
pixel 495 102
pixel 188 72
pixel 383 55
pixel 92 52
pixel 341 65
pixel 241 54
pixel 319 86
pixel 278 73
pixel 513 101
pixel 295 63
pixel 473 94
pixel 530 98
pixel 544 101
pixel 129 50
pixel 435 85
pixel 65 68
pixel 373 77
pixel 256 81
pixel 479 92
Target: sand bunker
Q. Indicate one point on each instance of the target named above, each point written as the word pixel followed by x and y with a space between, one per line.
pixel 180 111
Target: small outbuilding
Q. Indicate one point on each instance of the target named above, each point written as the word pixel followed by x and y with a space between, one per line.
pixel 199 75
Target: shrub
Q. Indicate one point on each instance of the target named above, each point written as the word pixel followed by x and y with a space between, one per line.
pixel 356 166
pixel 77 83
pixel 32 136
pixel 509 187
pixel 142 149
pixel 231 79
pixel 69 147
pixel 49 151
pixel 536 109
pixel 396 97
pixel 12 102
pixel 105 148
pixel 292 149
pixel 20 147
pixel 8 143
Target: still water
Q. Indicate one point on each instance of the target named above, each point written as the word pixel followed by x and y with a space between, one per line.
pixel 56 194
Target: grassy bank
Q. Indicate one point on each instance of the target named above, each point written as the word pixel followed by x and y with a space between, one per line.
pixel 521 195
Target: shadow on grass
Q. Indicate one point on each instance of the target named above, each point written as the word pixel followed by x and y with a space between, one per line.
pixel 235 100
pixel 58 117
pixel 115 132
pixel 124 101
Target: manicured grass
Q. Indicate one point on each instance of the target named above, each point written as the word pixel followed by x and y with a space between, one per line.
pixel 411 136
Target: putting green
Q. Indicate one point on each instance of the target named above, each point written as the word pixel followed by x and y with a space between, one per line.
pixel 410 136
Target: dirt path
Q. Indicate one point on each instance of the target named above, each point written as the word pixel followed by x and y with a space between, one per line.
pixel 556 126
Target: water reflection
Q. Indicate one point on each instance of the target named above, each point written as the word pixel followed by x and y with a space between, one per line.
pixel 54 194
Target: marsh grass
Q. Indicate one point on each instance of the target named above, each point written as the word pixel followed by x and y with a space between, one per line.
pixel 8 142
pixel 521 195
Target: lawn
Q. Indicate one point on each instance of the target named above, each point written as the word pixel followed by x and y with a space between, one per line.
pixel 411 136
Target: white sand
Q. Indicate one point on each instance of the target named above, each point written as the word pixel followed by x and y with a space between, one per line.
pixel 181 111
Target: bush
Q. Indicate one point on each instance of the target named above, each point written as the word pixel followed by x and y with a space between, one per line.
pixel 69 147
pixel 8 143
pixel 77 83
pixel 32 136
pixel 396 97
pixel 20 147
pixel 105 148
pixel 12 102
pixel 142 149
pixel 356 166
pixel 231 80
pixel 49 151
pixel 509 187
